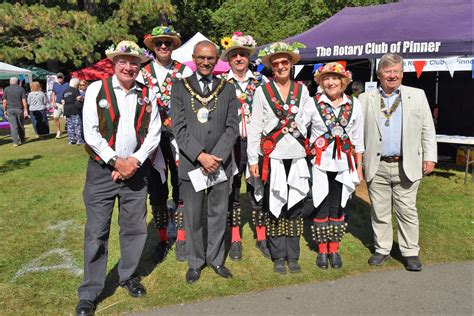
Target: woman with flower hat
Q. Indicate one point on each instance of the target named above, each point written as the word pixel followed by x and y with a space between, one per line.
pixel 336 137
pixel 160 76
pixel 237 50
pixel 277 155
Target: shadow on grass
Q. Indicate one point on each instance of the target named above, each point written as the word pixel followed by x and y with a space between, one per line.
pixel 15 164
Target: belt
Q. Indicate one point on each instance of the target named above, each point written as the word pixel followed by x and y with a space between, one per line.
pixel 391 159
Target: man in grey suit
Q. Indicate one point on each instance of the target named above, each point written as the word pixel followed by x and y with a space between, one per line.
pixel 205 125
pixel 400 142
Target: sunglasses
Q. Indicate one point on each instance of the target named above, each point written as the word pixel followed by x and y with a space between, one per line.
pixel 284 63
pixel 160 43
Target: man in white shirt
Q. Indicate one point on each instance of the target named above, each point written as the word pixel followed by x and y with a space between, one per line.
pixel 122 129
pixel 238 49
pixel 160 76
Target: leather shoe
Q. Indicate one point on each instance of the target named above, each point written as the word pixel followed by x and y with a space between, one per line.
pixel 223 271
pixel 322 261
pixel 279 266
pixel 193 275
pixel 294 266
pixel 378 259
pixel 335 260
pixel 262 246
pixel 85 308
pixel 134 287
pixel 413 263
pixel 235 251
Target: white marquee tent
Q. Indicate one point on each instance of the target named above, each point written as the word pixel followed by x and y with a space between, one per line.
pixel 7 71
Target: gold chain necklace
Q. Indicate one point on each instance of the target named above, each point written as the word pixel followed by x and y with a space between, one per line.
pixel 204 100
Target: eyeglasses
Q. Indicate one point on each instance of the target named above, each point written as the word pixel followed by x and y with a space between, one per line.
pixel 160 43
pixel 132 65
pixel 241 54
pixel 392 72
pixel 201 59
pixel 284 63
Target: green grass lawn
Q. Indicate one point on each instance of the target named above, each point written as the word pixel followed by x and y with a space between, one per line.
pixel 41 231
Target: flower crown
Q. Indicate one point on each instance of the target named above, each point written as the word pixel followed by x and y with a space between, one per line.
pixel 334 68
pixel 163 30
pixel 281 47
pixel 130 48
pixel 238 39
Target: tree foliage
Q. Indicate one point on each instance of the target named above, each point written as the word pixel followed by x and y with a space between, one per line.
pixel 40 33
pixel 273 20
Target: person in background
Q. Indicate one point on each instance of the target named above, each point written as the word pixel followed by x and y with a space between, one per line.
pixel 357 88
pixel 56 98
pixel 37 106
pixel 72 107
pixel 15 109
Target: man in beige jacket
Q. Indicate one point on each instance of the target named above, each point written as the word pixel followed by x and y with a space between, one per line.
pixel 400 143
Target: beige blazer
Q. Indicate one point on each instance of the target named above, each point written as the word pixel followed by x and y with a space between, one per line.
pixel 418 132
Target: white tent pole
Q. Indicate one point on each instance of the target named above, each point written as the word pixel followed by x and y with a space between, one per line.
pixel 372 68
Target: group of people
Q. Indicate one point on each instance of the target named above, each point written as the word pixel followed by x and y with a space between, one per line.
pixel 67 100
pixel 155 118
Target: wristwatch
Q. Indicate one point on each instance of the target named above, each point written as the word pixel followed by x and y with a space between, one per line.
pixel 113 161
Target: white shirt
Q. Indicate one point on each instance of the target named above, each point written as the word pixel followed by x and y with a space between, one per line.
pixel 243 86
pixel 126 141
pixel 162 71
pixel 201 84
pixel 263 122
pixel 354 129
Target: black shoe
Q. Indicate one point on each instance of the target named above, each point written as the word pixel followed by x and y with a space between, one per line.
pixel 378 259
pixel 262 246
pixel 180 250
pixel 413 263
pixel 235 251
pixel 223 271
pixel 322 261
pixel 134 287
pixel 161 251
pixel 193 275
pixel 279 266
pixel 294 266
pixel 335 260
pixel 85 308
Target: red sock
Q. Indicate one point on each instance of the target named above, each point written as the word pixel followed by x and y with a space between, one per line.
pixel 181 236
pixel 236 234
pixel 261 233
pixel 163 234
pixel 323 248
pixel 333 246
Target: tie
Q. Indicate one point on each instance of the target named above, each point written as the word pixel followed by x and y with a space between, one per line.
pixel 205 88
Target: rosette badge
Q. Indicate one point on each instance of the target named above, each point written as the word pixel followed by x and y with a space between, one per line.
pixel 238 41
pixel 128 48
pixel 279 48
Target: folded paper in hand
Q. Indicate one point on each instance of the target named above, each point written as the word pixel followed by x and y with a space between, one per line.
pixel 202 180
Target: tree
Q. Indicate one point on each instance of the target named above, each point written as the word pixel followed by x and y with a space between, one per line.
pixel 274 20
pixel 47 32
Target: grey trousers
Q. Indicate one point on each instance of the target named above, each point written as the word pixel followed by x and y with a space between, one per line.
pixel 17 125
pixel 217 204
pixel 390 188
pixel 99 194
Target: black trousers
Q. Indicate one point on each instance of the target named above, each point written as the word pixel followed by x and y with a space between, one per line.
pixel 331 205
pixel 157 190
pixel 240 155
pixel 283 246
